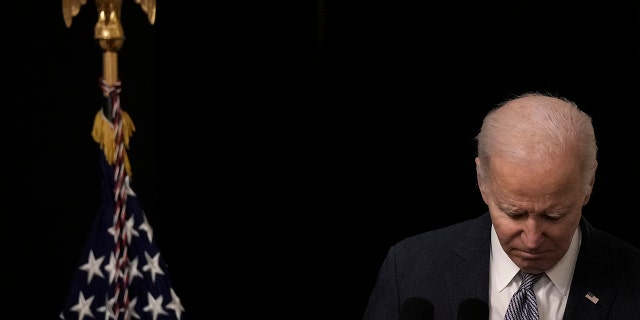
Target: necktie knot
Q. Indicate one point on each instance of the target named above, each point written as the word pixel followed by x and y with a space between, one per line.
pixel 523 304
pixel 529 279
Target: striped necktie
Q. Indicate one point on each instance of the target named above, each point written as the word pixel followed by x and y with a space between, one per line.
pixel 523 303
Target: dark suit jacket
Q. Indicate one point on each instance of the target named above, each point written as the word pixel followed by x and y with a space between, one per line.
pixel 448 265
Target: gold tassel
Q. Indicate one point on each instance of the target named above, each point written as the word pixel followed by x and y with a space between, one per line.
pixel 103 133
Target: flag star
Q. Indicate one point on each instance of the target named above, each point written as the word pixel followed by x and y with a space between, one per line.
pixel 92 267
pixel 154 306
pixel 153 265
pixel 108 308
pixel 127 186
pixel 133 270
pixel 130 230
pixel 112 231
pixel 145 226
pixel 175 304
pixel 131 309
pixel 111 268
pixel 83 308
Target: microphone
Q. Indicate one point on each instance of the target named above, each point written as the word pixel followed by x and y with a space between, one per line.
pixel 473 309
pixel 416 308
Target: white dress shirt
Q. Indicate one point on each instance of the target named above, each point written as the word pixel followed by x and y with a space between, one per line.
pixel 551 290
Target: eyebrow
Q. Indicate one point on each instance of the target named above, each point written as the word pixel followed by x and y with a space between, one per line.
pixel 508 209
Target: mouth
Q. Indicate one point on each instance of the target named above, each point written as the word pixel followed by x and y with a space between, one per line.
pixel 531 255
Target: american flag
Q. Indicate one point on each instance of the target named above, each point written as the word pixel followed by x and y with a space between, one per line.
pixel 121 273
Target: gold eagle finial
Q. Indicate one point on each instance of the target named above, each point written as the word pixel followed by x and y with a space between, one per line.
pixel 108 15
pixel 108 30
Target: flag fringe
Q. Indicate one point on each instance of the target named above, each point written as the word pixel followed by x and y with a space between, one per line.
pixel 103 133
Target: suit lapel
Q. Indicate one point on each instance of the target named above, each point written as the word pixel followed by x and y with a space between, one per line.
pixel 469 275
pixel 590 297
pixel 588 302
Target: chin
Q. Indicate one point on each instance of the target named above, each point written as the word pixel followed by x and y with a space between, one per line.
pixel 534 266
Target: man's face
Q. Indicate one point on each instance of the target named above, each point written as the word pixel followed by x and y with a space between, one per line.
pixel 535 209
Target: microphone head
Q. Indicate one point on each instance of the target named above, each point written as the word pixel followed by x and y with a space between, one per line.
pixel 473 309
pixel 416 308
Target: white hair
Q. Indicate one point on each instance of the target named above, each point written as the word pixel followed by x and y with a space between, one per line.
pixel 536 126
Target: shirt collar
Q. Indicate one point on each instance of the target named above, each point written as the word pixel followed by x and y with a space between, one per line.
pixel 560 275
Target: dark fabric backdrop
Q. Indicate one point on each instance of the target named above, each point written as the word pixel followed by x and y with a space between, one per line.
pixel 281 149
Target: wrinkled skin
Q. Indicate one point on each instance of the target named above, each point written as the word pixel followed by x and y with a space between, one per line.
pixel 535 208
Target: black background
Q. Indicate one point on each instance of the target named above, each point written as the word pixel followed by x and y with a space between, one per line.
pixel 281 149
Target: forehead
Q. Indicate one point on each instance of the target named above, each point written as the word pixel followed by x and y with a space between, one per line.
pixel 557 176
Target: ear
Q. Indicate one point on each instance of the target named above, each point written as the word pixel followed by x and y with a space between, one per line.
pixel 480 182
pixel 591 183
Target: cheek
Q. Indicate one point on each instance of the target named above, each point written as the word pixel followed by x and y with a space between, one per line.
pixel 560 233
pixel 506 229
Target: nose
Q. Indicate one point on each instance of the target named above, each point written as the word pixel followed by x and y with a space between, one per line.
pixel 532 234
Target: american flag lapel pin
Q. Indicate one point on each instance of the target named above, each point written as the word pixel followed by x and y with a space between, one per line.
pixel 591 297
